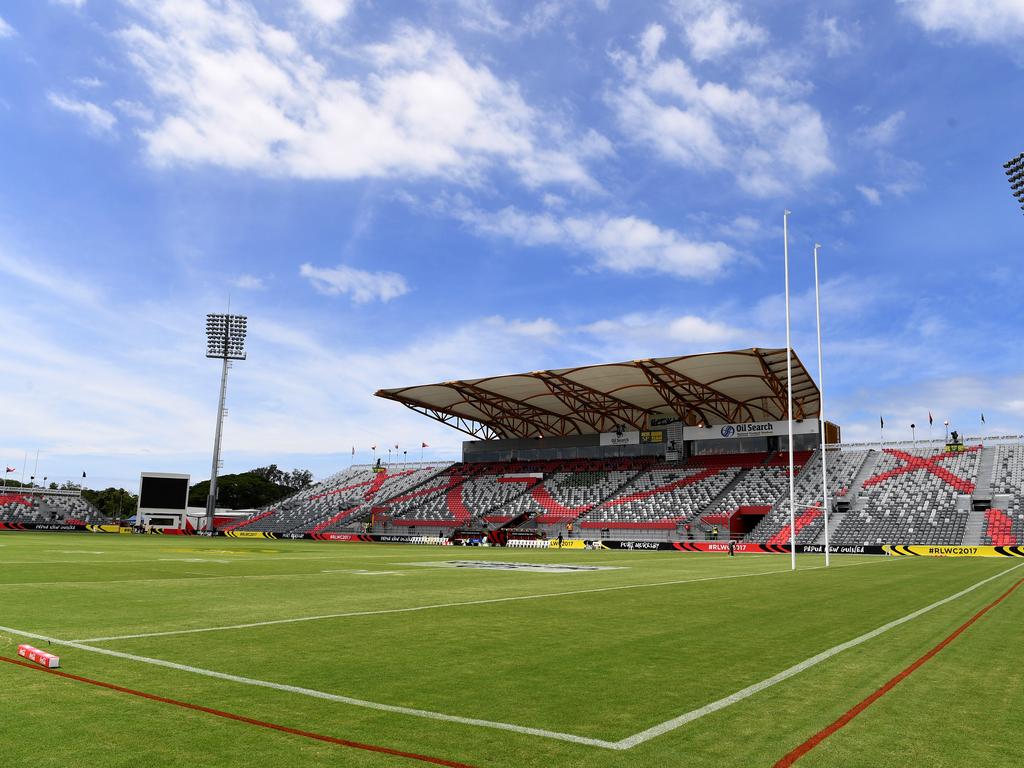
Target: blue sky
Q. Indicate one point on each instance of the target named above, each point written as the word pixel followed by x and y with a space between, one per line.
pixel 399 192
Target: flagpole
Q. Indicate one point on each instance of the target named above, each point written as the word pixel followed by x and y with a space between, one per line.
pixel 821 400
pixel 789 398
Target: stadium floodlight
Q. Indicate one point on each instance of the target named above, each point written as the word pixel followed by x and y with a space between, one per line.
pixel 1014 168
pixel 225 341
pixel 789 398
pixel 821 401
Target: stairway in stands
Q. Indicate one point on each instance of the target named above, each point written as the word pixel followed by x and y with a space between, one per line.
pixel 834 521
pixel 975 527
pixel 867 470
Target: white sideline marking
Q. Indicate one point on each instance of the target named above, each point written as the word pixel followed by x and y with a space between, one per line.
pixel 623 744
pixel 486 601
pixel 707 709
pixel 425 713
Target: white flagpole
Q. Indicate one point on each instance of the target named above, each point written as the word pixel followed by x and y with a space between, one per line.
pixel 821 408
pixel 789 397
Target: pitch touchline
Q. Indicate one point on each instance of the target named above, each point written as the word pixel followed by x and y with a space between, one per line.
pixel 434 606
pixel 623 744
pixel 707 709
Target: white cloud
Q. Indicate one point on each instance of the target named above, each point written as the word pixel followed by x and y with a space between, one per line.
pixel 650 42
pixel 328 11
pixel 249 283
pixel 70 3
pixel 871 194
pixel 983 21
pixel 620 244
pixel 361 285
pixel 97 119
pixel 6 30
pixel 89 82
pixel 768 140
pixel 233 91
pixel 840 39
pixel 134 110
pixel 715 28
pixel 481 16
pixel 683 332
pixel 883 133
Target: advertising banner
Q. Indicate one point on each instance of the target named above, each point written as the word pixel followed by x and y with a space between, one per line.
pixel 938 550
pixel 753 429
pixel 620 437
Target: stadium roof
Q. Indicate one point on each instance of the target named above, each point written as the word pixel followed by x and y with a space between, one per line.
pixel 744 385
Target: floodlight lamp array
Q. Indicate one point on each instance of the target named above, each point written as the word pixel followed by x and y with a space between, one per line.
pixel 1015 175
pixel 225 336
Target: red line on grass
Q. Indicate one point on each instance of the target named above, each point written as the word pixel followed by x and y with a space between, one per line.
pixel 242 718
pixel 823 734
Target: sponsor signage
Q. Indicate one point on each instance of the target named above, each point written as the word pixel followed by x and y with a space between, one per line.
pixel 663 421
pixel 620 437
pixel 652 437
pixel 952 551
pixel 752 429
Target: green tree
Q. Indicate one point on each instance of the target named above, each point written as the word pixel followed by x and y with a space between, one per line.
pixel 247 490
pixel 115 503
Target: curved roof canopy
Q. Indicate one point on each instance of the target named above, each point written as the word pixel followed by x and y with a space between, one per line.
pixel 744 385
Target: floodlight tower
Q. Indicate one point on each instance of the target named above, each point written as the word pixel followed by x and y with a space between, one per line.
pixel 225 340
pixel 1015 175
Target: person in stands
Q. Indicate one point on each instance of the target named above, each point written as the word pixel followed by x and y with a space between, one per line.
pixel 568 528
pixel 714 533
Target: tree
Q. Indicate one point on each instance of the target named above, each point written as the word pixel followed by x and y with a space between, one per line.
pixel 247 490
pixel 116 503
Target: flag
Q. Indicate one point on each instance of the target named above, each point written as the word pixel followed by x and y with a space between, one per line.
pixel 373 447
pixel 11 469
pixel 83 474
pixel 983 418
pixel 424 445
pixel 881 423
pixel 353 450
pixel 929 418
pixel 396 446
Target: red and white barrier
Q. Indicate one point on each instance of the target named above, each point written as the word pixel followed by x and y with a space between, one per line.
pixel 39 657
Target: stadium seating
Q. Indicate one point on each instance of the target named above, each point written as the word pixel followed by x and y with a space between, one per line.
pixel 1008 481
pixel 44 506
pixel 912 499
pixel 331 502
pixel 842 467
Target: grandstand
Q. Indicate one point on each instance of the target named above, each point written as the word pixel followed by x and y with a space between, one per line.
pixel 669 449
pixel 39 505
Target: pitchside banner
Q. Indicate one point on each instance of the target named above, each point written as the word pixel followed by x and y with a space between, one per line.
pixel 952 551
pixel 755 429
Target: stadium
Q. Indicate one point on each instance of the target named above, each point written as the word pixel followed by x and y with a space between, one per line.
pixel 598 457
pixel 630 523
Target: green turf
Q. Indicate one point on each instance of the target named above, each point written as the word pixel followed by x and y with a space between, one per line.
pixel 604 662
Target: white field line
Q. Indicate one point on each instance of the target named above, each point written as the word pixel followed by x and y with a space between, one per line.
pixel 707 709
pixel 169 578
pixel 623 744
pixel 434 606
pixel 320 694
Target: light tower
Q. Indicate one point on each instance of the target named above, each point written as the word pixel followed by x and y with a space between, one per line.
pixel 225 340
pixel 1015 175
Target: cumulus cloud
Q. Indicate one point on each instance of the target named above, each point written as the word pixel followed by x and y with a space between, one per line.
pixel 134 110
pixel 234 91
pixel 871 194
pixel 624 244
pixel 328 11
pixel 685 332
pixel 6 30
pixel 249 283
pixel 982 21
pixel 361 285
pixel 883 133
pixel 767 139
pixel 715 28
pixel 840 39
pixel 97 119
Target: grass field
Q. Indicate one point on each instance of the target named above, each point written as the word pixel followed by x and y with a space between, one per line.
pixel 582 668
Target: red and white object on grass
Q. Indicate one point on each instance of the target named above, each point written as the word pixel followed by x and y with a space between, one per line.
pixel 47 660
